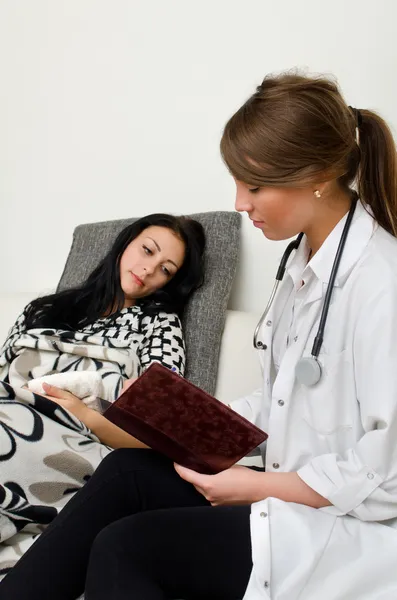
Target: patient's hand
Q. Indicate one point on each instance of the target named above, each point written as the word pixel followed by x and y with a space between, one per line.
pixel 67 400
pixel 127 384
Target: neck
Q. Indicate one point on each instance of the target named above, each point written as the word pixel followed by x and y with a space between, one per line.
pixel 128 302
pixel 328 216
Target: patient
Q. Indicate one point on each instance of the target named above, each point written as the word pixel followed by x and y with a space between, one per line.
pixel 124 317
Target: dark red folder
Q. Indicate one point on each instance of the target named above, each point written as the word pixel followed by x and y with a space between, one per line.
pixel 172 416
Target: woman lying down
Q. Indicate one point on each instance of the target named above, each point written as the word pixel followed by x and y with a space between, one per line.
pixel 92 341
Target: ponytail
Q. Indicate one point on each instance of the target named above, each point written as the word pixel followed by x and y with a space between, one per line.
pixel 296 130
pixel 377 172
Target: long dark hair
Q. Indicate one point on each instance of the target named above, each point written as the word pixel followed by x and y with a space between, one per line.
pixel 296 130
pixel 74 308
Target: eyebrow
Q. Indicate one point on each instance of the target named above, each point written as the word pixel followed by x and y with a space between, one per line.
pixel 159 249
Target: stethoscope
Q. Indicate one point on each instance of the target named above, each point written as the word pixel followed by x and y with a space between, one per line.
pixel 308 369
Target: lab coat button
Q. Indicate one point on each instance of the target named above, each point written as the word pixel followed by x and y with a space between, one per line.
pixel 280 402
pixel 370 475
pixel 268 323
pixel 263 514
pixel 266 584
pixel 276 466
pixel 261 346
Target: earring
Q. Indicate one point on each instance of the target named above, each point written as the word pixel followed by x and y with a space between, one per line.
pixel 317 193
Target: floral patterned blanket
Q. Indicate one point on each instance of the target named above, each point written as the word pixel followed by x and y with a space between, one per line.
pixel 46 455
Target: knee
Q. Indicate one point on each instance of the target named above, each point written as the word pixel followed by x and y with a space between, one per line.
pixel 120 459
pixel 130 538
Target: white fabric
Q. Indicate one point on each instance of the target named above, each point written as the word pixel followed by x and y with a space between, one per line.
pixel 86 385
pixel 283 332
pixel 339 435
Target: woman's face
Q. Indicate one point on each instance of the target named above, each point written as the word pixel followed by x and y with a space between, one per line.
pixel 281 213
pixel 149 262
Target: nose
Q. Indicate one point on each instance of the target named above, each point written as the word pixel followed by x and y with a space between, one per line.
pixel 243 202
pixel 149 268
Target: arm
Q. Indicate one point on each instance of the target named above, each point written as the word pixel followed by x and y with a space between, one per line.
pixel 241 485
pixel 162 342
pixel 362 481
pixel 290 488
pixel 108 433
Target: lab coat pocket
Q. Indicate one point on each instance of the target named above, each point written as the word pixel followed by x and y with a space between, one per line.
pixel 325 408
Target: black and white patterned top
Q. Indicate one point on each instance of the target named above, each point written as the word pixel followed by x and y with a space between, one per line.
pixel 118 347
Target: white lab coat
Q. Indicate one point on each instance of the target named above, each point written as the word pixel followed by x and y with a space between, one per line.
pixel 339 435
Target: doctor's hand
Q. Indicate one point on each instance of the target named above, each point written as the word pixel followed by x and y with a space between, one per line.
pixel 237 485
pixel 66 400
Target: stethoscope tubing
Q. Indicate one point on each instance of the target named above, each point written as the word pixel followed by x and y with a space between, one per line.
pixel 294 245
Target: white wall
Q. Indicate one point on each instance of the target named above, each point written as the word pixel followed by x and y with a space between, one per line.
pixel 114 108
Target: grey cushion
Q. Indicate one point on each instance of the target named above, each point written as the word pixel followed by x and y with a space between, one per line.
pixel 205 314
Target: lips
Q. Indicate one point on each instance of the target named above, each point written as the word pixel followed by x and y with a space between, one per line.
pixel 137 279
pixel 258 223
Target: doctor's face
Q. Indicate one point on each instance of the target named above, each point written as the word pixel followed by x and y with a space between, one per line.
pixel 281 213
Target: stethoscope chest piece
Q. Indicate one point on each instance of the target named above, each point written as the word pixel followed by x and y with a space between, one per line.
pixel 308 371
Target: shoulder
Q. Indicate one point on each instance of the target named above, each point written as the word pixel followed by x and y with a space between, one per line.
pixel 379 260
pixel 381 252
pixel 162 320
pixel 373 282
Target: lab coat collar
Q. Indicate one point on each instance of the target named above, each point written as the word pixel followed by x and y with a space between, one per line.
pixel 297 268
pixel 320 266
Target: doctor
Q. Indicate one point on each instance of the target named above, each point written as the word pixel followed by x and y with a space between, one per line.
pixel 327 526
pixel 321 520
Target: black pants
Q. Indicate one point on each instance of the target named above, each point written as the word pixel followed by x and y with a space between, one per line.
pixel 137 531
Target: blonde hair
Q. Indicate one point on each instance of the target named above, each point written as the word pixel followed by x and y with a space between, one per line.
pixel 296 130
